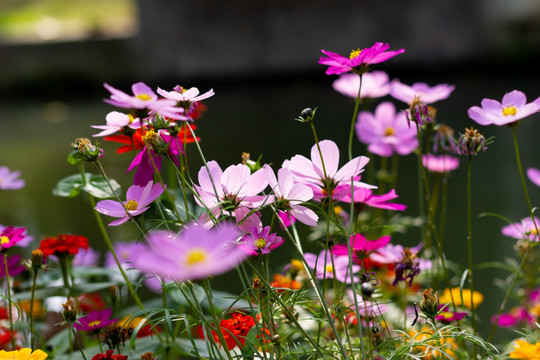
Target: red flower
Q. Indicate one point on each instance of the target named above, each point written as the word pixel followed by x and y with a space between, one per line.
pixel 109 356
pixel 63 244
pixel 234 330
pixel 91 302
pixel 5 338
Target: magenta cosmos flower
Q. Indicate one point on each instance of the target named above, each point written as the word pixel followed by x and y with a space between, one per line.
pixel 368 198
pixel 358 60
pixel 138 200
pixel 513 107
pixel 9 180
pixel 288 195
pixel 260 242
pixel 144 98
pixel 95 320
pixel 328 179
pixel 523 230
pixel 195 253
pixel 386 132
pixel 375 84
pixel 231 192
pixel 325 267
pixel 115 122
pixel 13 266
pixel 10 236
pixel 440 163
pixel 360 246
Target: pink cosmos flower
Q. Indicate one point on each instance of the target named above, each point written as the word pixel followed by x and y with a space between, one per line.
pixel 95 320
pixel 10 236
pixel 367 197
pixel 524 230
pixel 260 242
pixel 422 91
pixel 374 84
pixel 445 315
pixel 534 175
pixel 231 192
pixel 360 246
pixel 325 267
pixel 391 254
pixel 9 179
pixel 193 254
pixel 138 200
pixel 513 107
pixel 386 132
pixel 358 59
pixel 115 122
pixel 182 95
pixel 440 163
pixel 327 180
pixel 144 98
pixel 22 239
pixel 288 196
pixel 13 266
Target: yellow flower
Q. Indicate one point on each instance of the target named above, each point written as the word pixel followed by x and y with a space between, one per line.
pixel 525 351
pixel 446 298
pixel 23 354
pixel 437 348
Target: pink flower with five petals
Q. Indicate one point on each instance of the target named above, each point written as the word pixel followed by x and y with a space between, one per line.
pixel 513 107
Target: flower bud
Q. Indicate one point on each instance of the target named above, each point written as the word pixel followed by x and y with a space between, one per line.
pixel 430 303
pixel 306 115
pixel 89 151
pixel 367 289
pixel 69 313
pixel 36 259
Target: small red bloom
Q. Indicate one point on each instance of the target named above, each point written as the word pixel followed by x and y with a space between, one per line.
pixel 109 356
pixel 63 244
pixel 234 330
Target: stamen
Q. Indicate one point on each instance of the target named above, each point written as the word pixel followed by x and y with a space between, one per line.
pixel 389 132
pixel 144 97
pixel 132 205
pixel 260 243
pixel 355 53
pixel 4 240
pixel 329 269
pixel 94 323
pixel 509 110
pixel 196 255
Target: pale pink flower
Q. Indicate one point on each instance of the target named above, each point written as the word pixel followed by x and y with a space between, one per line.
pixel 523 230
pixel 421 91
pixel 325 266
pixel 513 107
pixel 391 254
pixel 386 132
pixel 440 163
pixel 9 180
pixel 181 95
pixel 288 195
pixel 375 84
pixel 327 180
pixel 534 175
pixel 115 122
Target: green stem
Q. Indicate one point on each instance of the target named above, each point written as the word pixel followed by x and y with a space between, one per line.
pixel 219 331
pixel 31 315
pixel 469 242
pixel 77 341
pixel 355 113
pixel 10 311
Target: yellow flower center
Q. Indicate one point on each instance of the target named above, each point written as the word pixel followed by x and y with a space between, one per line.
pixel 195 256
pixel 144 97
pixel 355 53
pixel 4 240
pixel 131 119
pixel 132 205
pixel 148 136
pixel 509 110
pixel 338 209
pixel 329 269
pixel 94 323
pixel 389 132
pixel 297 265
pixel 260 243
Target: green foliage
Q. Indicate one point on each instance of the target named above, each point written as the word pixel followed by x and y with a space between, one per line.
pixel 93 184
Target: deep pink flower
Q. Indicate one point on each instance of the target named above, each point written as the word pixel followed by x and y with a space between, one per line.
pixel 9 179
pixel 513 107
pixel 144 98
pixel 138 201
pixel 367 197
pixel 11 236
pixel 534 175
pixel 524 230
pixel 358 60
pixel 95 320
pixel 115 122
pixel 26 239
pixel 386 131
pixel 440 163
pixel 193 254
pixel 231 192
pixel 325 267
pixel 328 180
pixel 260 242
pixel 447 316
pixel 360 246
pixel 289 196
pixel 13 267
pixel 420 91
pixel 374 84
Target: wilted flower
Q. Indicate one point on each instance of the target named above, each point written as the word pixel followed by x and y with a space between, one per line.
pixel 95 320
pixel 386 132
pixel 440 163
pixel 138 201
pixel 407 268
pixel 9 179
pixel 89 151
pixel 513 107
pixel 260 242
pixel 358 60
pixel 471 142
pixel 374 84
pixel 443 140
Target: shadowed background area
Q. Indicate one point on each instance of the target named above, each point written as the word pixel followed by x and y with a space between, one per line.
pixel 261 57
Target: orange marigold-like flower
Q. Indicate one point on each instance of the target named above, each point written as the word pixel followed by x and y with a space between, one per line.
pixel 525 351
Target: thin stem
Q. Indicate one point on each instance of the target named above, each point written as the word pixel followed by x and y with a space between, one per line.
pixel 219 331
pixel 77 341
pixel 10 311
pixel 355 113
pixel 469 242
pixel 31 315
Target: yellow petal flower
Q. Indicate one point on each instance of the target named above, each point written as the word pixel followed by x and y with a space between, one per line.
pixel 525 351
pixel 23 354
pixel 447 298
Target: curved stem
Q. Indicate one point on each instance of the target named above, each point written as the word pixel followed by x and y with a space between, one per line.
pixel 355 113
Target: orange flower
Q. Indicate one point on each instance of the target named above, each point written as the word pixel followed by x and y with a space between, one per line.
pixel 436 346
pixel 525 351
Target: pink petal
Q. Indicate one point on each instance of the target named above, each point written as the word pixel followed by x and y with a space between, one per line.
pixel 330 154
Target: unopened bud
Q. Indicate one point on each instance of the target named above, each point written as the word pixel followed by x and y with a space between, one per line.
pixel 367 289
pixel 429 303
pixel 69 313
pixel 306 115
pixel 37 259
